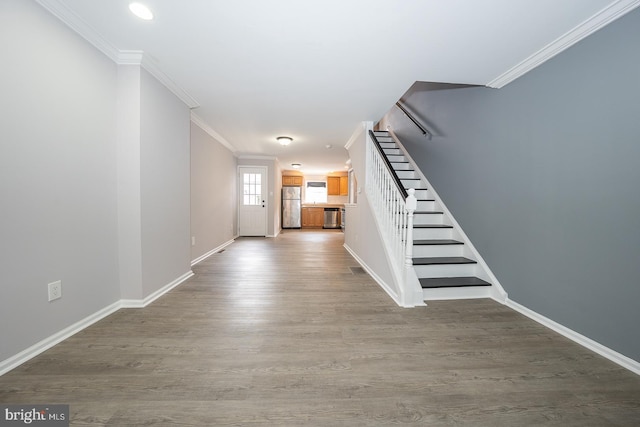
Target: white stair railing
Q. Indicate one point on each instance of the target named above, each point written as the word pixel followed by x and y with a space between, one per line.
pixel 393 208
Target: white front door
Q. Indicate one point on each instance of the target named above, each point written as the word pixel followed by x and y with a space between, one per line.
pixel 253 201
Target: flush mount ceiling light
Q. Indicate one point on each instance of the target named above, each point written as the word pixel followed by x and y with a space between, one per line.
pixel 141 11
pixel 284 140
pixel 296 165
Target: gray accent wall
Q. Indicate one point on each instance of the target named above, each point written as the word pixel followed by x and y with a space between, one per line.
pixel 213 193
pixel 543 175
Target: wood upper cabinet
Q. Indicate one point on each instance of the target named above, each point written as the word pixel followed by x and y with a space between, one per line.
pixel 338 185
pixel 344 185
pixel 333 185
pixel 292 180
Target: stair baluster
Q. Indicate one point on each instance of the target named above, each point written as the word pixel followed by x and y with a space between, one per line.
pixel 394 210
pixel 410 205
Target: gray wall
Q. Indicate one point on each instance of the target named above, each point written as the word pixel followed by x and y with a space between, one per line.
pixel 213 193
pixel 58 217
pixel 94 179
pixel 128 182
pixel 164 184
pixel 543 176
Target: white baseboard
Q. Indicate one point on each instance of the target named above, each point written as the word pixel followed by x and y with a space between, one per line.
pixel 375 277
pixel 592 345
pixel 58 337
pixel 211 252
pixel 141 303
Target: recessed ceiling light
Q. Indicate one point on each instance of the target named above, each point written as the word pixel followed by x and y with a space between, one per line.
pixel 284 140
pixel 296 165
pixel 141 11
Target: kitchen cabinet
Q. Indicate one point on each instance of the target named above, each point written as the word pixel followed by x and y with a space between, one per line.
pixel 292 180
pixel 312 217
pixel 333 185
pixel 344 185
pixel 337 185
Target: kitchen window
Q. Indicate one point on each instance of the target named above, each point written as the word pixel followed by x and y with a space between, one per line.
pixel 315 192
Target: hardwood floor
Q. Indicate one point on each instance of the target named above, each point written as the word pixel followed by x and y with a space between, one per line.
pixel 289 331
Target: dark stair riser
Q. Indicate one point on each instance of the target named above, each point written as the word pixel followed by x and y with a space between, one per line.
pixel 438 282
pixel 443 260
pixel 436 242
pixel 452 282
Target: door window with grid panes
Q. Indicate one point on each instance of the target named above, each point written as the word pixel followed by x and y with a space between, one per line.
pixel 252 194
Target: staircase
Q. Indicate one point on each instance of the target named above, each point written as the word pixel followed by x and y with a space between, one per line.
pixel 444 264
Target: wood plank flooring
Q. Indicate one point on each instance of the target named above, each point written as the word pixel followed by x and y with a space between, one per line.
pixel 288 331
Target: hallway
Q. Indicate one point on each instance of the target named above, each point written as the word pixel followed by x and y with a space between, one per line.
pixel 291 331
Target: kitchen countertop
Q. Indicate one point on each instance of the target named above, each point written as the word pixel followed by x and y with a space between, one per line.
pixel 323 205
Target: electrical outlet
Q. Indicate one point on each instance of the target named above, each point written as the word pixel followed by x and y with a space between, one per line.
pixel 55 290
pixel 193 240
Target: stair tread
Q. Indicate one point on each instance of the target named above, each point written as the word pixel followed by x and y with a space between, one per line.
pixel 429 212
pixel 437 242
pixel 443 260
pixel 432 226
pixel 452 282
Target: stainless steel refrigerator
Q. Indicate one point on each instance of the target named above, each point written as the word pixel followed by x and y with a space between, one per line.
pixel 291 207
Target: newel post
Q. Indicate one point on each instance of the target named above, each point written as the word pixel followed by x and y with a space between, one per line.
pixel 411 203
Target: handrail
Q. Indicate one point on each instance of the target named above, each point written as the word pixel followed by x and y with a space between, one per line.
pixel 408 114
pixel 387 163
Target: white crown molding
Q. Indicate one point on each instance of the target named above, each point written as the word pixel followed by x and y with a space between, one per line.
pixel 362 127
pixel 199 121
pixel 607 15
pixel 120 57
pixel 77 24
pixel 177 90
pixel 129 57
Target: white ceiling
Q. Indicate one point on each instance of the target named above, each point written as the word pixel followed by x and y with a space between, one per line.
pixel 314 70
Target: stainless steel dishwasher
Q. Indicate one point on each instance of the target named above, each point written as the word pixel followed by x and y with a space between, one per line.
pixel 331 218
